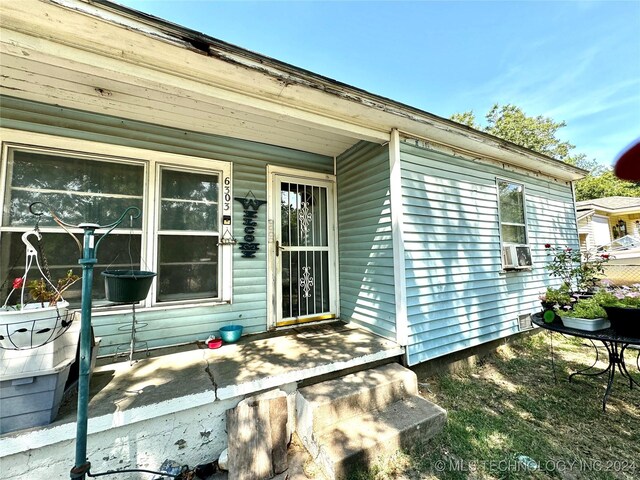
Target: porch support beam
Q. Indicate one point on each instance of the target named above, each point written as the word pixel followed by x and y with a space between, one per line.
pixel 397 227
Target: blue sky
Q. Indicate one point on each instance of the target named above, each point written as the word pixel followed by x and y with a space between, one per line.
pixel 575 61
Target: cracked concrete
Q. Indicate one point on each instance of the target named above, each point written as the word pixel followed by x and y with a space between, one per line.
pixel 139 413
pixel 257 362
pixel 212 377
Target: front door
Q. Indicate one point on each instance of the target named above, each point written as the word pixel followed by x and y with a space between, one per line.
pixel 304 248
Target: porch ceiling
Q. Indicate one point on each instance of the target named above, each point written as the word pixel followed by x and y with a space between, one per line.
pixel 32 75
pixel 96 57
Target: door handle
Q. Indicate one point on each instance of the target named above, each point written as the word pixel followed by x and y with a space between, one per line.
pixel 278 248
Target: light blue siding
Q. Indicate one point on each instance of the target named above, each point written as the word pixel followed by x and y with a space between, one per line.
pixel 173 326
pixel 457 294
pixel 367 295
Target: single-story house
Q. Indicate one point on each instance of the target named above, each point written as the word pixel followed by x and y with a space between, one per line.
pixel 271 196
pixel 412 226
pixel 603 220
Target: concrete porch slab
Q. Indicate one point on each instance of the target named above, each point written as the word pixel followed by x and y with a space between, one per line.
pixel 170 381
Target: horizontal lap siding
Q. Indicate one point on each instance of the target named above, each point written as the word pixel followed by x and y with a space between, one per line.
pixel 457 295
pixel 367 292
pixel 174 326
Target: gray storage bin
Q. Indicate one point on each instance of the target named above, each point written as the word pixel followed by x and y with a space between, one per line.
pixel 33 400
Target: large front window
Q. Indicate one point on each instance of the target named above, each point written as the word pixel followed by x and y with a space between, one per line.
pixel 177 235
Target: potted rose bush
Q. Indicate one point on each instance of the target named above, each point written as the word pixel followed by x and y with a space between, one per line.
pixel 580 272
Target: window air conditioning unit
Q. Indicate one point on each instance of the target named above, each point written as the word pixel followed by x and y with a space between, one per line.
pixel 516 256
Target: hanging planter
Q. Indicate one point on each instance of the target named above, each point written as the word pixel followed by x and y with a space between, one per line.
pixel 127 286
pixel 32 325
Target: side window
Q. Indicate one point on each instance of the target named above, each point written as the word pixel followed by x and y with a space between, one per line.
pixel 513 226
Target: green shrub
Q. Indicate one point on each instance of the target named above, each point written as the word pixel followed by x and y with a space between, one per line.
pixel 585 308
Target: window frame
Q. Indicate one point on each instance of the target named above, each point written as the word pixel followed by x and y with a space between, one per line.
pixel 160 166
pixel 151 161
pixel 503 242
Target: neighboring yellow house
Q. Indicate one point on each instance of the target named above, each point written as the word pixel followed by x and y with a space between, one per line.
pixel 612 224
pixel 603 220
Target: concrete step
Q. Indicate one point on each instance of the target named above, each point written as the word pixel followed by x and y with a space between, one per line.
pixel 346 423
pixel 324 404
pixel 358 442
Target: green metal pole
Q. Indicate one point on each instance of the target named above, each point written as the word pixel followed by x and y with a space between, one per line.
pixel 87 261
pixel 89 249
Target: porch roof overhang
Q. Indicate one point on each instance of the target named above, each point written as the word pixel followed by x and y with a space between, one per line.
pixel 102 57
pixel 584 214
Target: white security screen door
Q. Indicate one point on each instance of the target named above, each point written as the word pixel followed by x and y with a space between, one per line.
pixel 304 243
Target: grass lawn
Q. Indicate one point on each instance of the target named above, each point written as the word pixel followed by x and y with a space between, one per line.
pixel 509 406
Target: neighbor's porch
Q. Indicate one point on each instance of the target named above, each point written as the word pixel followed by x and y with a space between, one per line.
pixel 172 404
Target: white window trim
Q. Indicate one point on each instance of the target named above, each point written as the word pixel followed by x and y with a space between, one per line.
pixel 500 222
pixel 152 161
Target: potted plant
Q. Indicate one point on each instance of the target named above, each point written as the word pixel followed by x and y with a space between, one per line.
pixel 622 305
pixel 38 346
pixel 586 314
pixel 555 299
pixel 127 286
pixel 29 325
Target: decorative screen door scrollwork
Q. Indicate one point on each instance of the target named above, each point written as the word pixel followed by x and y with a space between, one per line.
pixel 304 250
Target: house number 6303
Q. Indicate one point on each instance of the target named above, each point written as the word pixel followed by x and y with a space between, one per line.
pixel 227 194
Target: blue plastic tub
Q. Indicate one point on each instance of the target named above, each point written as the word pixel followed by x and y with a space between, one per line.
pixel 231 333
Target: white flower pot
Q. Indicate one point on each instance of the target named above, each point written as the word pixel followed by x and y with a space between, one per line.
pixel 588 324
pixel 32 325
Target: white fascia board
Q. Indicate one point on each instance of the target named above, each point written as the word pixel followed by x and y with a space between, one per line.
pixel 387 115
pixel 618 211
pixel 66 38
pixel 582 214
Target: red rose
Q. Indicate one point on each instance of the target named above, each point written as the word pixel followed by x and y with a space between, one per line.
pixel 17 282
pixel 605 256
pixel 547 245
pixel 569 249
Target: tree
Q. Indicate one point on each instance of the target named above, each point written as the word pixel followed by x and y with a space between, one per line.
pixel 603 183
pixel 539 134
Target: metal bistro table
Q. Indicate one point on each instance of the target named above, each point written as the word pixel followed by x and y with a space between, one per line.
pixel 615 344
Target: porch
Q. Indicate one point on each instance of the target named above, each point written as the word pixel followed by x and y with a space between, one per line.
pixel 172 405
